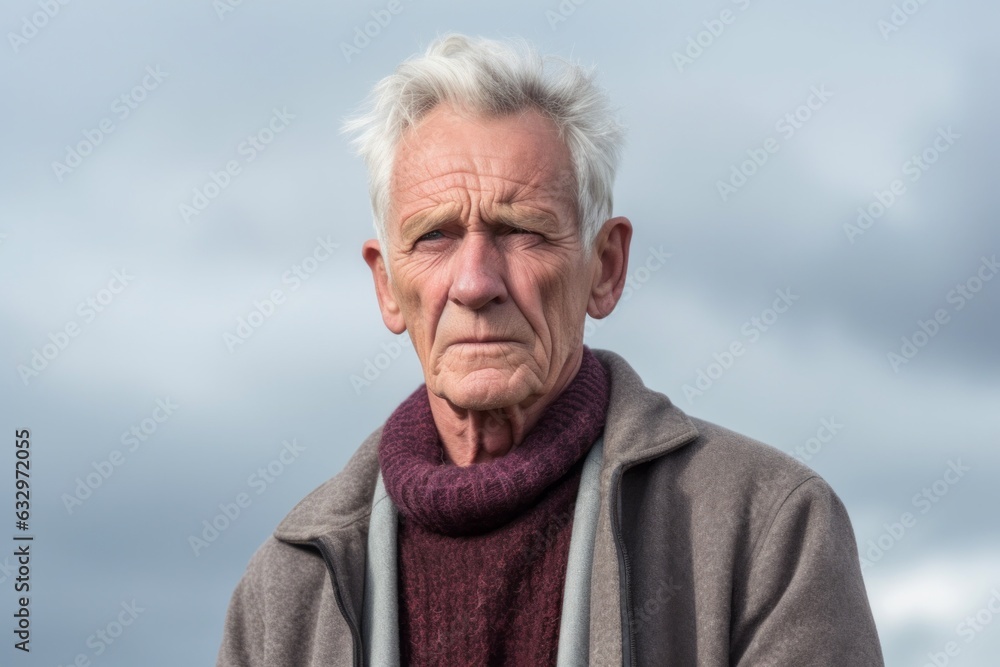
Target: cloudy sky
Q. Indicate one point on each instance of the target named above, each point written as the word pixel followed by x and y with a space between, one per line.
pixel 167 166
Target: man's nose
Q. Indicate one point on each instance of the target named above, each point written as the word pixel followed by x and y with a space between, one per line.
pixel 478 272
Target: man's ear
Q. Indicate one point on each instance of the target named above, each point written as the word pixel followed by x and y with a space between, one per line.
pixel 391 314
pixel 610 256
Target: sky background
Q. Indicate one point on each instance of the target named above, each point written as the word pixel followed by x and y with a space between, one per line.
pixel 170 285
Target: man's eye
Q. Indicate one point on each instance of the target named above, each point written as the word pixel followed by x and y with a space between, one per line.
pixel 431 236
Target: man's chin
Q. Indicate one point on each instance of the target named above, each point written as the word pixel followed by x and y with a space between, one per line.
pixel 483 389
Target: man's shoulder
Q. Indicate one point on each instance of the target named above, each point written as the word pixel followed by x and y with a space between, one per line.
pixel 737 458
pixel 703 456
pixel 735 490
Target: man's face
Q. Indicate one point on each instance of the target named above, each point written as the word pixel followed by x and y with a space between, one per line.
pixel 489 273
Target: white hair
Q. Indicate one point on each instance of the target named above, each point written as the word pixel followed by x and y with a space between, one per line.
pixel 493 78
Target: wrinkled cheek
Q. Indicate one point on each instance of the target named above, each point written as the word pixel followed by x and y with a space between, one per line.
pixel 421 324
pixel 413 315
pixel 567 319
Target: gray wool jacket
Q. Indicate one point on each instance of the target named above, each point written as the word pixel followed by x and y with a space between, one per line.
pixel 707 548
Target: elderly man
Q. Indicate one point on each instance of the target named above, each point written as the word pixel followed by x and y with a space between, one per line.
pixel 533 503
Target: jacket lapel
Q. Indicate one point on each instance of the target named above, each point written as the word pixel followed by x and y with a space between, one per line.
pixel 641 425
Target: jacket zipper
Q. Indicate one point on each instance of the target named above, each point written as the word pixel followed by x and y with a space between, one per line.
pixel 624 569
pixel 624 573
pixel 358 652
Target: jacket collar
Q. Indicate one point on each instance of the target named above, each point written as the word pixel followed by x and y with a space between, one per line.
pixel 641 424
pixel 340 502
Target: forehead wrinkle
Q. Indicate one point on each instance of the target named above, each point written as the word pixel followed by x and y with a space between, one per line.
pixel 466 186
pixel 463 177
pixel 427 177
pixel 439 184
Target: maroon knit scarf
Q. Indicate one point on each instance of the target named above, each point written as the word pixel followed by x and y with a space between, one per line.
pixel 454 500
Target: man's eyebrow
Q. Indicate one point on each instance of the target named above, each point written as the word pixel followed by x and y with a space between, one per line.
pixel 533 219
pixel 529 218
pixel 424 221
